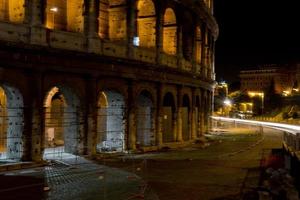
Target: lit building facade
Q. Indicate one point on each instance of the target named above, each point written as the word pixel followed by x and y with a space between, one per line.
pixel 104 75
pixel 260 79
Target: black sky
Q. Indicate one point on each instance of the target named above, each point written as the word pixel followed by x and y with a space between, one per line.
pixel 256 32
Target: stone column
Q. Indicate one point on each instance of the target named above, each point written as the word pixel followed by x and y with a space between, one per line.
pixel 27 133
pixel 91 26
pixel 91 117
pixel 193 60
pixel 204 53
pixel 213 60
pixel 179 114
pixel 212 6
pixel 159 34
pixel 179 45
pixel 159 117
pixel 132 126
pixel 35 12
pixel 28 11
pixel 202 112
pixel 131 26
pixel 210 113
pixel 38 32
pixel 38 119
pixel 193 118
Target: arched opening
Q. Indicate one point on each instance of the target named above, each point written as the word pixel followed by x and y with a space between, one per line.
pixel 170 32
pixel 65 15
pixel 62 136
pixel 11 123
pixel 185 116
pixel 145 120
pixel 12 10
pixel 168 118
pixel 110 122
pixel 187 37
pixel 198 47
pixel 112 19
pixel 146 23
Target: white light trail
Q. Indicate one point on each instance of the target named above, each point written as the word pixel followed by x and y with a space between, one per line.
pixel 279 126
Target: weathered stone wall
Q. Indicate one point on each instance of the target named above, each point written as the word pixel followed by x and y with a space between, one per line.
pixel 155 94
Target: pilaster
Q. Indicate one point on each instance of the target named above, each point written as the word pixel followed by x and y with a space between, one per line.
pixel 38 32
pixel 179 115
pixel 91 26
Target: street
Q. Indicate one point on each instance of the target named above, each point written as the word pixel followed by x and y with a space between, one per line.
pixel 215 171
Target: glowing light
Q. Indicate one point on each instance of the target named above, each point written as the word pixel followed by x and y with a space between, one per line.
pixel 253 94
pixel 227 102
pixel 54 9
pixel 136 41
pixel 286 93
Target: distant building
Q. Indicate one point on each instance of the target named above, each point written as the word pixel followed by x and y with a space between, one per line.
pixel 284 78
pixel 221 89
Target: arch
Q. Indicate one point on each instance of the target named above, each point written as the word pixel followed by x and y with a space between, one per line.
pixel 12 10
pixel 185 116
pixel 11 123
pixel 146 23
pixel 170 32
pixel 65 15
pixel 145 119
pixel 62 123
pixel 168 117
pixel 110 122
pixel 198 48
pixel 112 19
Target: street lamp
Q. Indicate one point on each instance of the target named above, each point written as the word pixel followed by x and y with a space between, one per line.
pixel 53 10
pixel 227 106
pixel 227 102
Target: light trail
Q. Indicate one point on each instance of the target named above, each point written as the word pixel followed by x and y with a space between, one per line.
pixel 293 129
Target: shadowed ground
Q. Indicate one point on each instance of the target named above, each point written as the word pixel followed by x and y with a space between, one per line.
pixel 215 172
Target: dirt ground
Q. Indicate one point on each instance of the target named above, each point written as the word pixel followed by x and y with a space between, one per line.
pixel 222 169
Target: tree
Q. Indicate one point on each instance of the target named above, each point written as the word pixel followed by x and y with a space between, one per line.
pixel 272 99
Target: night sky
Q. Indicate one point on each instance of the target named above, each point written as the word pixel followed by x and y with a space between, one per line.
pixel 255 32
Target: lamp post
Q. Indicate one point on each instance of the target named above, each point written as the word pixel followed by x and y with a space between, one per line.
pixel 227 106
pixel 53 10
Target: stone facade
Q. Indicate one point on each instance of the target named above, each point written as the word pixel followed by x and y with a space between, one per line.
pixel 285 78
pixel 105 75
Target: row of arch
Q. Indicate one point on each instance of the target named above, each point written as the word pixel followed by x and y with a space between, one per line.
pixel 63 121
pixel 112 21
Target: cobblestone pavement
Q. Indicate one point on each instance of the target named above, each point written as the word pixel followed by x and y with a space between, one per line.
pixel 81 179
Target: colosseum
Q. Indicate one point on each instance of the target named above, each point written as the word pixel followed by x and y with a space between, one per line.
pixel 93 76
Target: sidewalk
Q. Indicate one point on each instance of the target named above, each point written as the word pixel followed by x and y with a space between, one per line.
pixel 74 179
